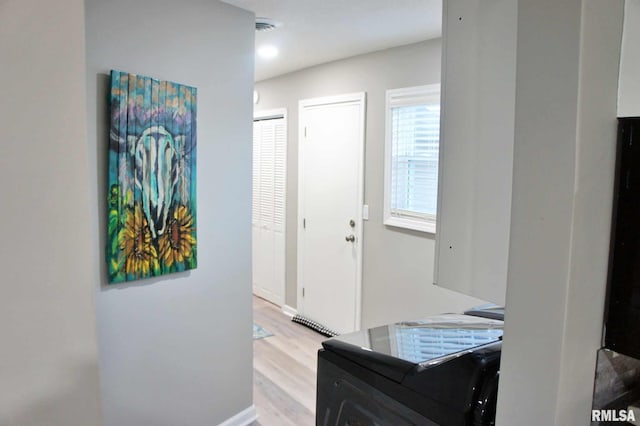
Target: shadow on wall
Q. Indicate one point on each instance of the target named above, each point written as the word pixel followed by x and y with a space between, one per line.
pixel 69 405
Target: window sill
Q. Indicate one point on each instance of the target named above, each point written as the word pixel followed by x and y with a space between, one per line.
pixel 413 224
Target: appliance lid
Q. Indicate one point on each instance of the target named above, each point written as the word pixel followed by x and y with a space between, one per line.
pixel 393 350
pixel 488 310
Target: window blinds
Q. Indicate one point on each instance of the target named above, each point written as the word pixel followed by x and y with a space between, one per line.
pixel 414 139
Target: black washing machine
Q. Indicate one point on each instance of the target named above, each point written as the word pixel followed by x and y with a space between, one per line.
pixel 442 370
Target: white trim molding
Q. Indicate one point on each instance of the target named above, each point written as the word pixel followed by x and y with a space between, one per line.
pixel 269 297
pixel 270 113
pixel 289 311
pixel 243 418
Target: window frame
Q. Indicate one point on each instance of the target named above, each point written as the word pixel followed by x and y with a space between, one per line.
pixel 394 98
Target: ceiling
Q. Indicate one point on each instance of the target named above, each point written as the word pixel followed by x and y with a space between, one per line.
pixel 318 31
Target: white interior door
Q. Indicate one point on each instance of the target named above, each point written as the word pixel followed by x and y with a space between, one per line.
pixel 269 201
pixel 330 172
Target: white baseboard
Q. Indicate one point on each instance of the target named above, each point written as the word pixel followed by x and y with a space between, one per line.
pixel 243 418
pixel 289 311
pixel 276 300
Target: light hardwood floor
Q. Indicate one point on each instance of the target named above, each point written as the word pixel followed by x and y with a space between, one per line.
pixel 284 369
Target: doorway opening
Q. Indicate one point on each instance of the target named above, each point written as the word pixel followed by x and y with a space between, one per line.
pixel 330 200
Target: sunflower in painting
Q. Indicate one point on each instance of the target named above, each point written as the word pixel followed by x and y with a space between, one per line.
pixel 177 242
pixel 140 254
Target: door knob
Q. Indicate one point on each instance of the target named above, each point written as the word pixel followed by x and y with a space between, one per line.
pixel 350 238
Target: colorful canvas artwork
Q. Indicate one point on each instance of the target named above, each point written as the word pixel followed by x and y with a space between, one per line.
pixel 151 202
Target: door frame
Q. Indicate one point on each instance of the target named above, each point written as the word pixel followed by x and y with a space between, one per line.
pixel 358 98
pixel 271 113
pixel 266 115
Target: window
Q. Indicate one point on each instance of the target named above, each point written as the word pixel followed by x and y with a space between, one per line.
pixel 411 157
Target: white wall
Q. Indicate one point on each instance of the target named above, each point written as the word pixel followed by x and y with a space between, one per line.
pixel 48 355
pixel 398 264
pixel 565 139
pixel 476 139
pixel 629 86
pixel 177 350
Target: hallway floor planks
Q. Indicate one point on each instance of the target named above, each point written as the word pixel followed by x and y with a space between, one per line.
pixel 284 369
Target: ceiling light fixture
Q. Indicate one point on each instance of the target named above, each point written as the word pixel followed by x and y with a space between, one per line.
pixel 268 51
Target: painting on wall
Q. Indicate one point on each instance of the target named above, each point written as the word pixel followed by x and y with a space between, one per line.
pixel 151 227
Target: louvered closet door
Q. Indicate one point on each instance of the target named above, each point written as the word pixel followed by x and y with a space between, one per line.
pixel 268 220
